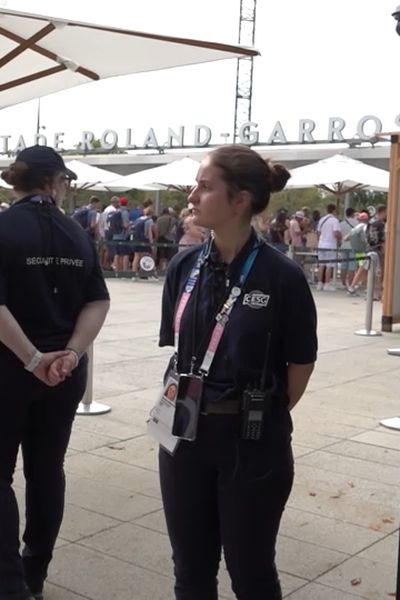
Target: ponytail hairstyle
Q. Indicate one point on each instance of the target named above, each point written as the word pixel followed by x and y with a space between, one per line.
pixel 25 179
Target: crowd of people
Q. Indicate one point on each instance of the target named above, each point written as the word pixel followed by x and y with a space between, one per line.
pixel 338 246
pixel 126 234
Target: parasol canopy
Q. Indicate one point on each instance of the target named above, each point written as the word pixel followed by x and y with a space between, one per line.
pixel 40 55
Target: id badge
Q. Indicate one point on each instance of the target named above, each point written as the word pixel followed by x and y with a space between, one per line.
pixel 187 407
pixel 159 423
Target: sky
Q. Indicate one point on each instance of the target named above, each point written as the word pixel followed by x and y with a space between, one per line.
pixel 319 59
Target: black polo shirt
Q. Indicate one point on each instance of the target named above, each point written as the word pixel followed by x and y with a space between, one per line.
pixel 48 271
pixel 276 300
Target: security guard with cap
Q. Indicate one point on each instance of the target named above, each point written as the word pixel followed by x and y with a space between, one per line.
pixel 242 320
pixel 53 302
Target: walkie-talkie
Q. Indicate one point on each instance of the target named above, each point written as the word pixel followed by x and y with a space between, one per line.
pixel 255 402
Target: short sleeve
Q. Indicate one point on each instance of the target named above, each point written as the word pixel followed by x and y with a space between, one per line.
pixel 299 321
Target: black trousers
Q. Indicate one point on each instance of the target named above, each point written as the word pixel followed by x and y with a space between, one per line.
pixel 39 419
pixel 224 492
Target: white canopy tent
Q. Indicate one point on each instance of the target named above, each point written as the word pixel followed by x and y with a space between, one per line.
pixel 179 174
pixel 339 175
pixel 40 55
pixel 89 177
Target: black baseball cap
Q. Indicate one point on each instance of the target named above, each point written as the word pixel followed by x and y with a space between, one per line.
pixel 45 158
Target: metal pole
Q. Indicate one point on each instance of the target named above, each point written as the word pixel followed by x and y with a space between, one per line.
pixel 373 260
pixel 393 423
pixel 87 406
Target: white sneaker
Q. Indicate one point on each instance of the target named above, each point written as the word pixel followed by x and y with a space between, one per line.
pixel 328 287
pixel 320 286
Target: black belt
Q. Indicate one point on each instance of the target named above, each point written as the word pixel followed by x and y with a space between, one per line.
pixel 225 407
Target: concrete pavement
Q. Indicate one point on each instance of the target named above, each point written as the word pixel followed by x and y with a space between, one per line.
pixel 338 538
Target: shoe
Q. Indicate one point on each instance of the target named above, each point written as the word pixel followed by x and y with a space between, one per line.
pixel 320 286
pixel 328 287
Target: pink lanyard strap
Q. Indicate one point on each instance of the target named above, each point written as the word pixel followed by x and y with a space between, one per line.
pixel 222 317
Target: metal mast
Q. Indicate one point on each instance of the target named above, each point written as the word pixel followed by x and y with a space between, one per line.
pixel 244 72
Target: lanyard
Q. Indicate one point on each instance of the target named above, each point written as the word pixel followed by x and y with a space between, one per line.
pixel 222 317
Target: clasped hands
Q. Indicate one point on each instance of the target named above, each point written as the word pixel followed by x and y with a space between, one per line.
pixel 55 367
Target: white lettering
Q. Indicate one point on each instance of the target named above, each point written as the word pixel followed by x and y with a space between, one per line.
pixel 199 131
pixel 109 139
pixel 362 123
pixel 128 143
pixel 150 139
pixel 87 141
pixel 177 137
pixel 40 139
pixel 247 135
pixel 20 144
pixel 306 127
pixel 335 128
pixel 58 141
pixel 5 139
pixel 277 134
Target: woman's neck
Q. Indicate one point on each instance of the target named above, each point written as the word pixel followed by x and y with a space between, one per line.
pixel 231 240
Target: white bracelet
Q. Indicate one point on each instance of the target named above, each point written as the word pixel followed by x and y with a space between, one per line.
pixel 76 354
pixel 35 360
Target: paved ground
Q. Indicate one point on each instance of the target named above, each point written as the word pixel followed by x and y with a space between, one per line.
pixel 338 539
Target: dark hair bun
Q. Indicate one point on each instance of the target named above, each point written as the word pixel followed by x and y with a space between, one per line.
pixel 279 177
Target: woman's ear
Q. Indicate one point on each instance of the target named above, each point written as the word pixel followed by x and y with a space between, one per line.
pixel 243 202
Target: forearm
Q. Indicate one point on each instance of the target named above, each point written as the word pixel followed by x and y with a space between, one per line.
pixel 88 325
pixel 13 337
pixel 298 377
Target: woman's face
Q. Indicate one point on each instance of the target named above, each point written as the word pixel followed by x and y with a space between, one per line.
pixel 212 205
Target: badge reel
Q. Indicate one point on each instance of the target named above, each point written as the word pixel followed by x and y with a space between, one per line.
pixel 187 406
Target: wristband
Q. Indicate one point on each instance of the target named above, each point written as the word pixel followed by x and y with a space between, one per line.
pixel 35 360
pixel 75 353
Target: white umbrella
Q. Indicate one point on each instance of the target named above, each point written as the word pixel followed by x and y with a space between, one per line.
pixel 40 55
pixel 90 177
pixel 339 174
pixel 177 174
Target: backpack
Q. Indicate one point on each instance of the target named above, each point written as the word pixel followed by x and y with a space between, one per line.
pixel 81 216
pixel 114 222
pixel 138 229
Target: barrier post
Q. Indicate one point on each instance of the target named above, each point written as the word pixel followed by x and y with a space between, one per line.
pixel 368 331
pixel 87 406
pixel 392 422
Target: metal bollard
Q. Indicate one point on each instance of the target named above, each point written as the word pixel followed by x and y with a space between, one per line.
pixel 392 422
pixel 370 298
pixel 87 406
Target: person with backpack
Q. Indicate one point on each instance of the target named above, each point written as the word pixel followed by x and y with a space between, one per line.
pixel 143 235
pixel 358 241
pixel 87 216
pixel 118 226
pixel 165 237
pixel 348 268
pixel 374 240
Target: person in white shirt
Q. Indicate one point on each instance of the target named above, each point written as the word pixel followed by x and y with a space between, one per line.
pixel 107 251
pixel 349 267
pixel 329 238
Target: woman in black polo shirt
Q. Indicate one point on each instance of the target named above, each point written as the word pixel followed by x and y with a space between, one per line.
pixel 53 301
pixel 243 323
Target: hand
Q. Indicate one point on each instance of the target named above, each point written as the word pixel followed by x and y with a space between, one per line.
pixel 61 368
pixel 42 371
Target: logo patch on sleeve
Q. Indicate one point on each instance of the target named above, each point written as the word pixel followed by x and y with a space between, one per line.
pixel 256 299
